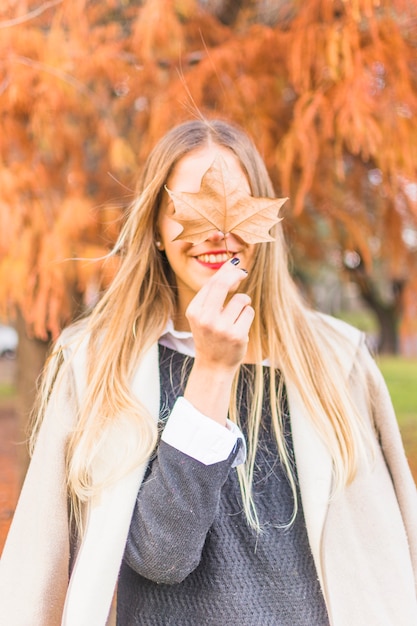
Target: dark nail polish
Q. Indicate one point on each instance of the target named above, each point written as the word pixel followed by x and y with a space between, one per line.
pixel 235 261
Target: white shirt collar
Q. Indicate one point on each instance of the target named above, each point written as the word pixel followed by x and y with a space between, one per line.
pixel 180 340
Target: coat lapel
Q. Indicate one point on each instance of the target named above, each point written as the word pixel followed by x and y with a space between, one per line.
pixel 314 469
pixel 313 461
pixel 96 569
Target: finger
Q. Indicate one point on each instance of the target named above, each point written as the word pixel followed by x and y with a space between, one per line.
pixel 214 293
pixel 217 288
pixel 233 309
pixel 244 321
pixel 237 333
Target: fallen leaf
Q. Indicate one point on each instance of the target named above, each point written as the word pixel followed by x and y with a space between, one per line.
pixel 223 204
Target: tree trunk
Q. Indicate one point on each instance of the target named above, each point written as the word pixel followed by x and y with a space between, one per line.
pixel 387 313
pixel 388 340
pixel 31 355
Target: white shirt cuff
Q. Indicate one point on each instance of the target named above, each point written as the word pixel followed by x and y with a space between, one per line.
pixel 200 437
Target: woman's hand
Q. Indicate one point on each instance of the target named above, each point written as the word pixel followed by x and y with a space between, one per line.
pixel 220 325
pixel 221 330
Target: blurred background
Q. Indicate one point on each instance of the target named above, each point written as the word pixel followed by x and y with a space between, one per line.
pixel 326 88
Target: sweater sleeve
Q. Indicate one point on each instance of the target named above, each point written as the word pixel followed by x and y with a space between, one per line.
pixel 175 508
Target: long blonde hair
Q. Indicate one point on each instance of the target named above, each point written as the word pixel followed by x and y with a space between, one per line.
pixel 133 312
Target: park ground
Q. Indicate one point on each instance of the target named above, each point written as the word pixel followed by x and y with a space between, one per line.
pixel 400 375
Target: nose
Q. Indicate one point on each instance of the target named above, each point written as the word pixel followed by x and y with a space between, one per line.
pixel 216 236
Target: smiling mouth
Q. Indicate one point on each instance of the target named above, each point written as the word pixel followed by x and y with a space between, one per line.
pixel 213 258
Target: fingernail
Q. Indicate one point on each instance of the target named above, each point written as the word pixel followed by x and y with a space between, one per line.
pixel 235 261
pixel 242 270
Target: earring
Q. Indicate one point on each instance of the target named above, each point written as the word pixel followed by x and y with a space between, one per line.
pixel 158 244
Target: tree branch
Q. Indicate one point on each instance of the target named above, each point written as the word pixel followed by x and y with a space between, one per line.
pixel 29 16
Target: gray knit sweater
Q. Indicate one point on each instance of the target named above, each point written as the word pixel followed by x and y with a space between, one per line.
pixel 191 558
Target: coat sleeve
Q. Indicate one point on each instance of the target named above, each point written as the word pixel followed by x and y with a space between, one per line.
pixel 35 561
pixel 393 450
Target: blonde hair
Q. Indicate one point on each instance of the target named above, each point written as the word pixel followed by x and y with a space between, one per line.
pixel 133 312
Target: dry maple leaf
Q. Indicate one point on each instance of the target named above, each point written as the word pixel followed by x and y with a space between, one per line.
pixel 224 204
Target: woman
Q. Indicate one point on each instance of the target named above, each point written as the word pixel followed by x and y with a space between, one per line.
pixel 317 526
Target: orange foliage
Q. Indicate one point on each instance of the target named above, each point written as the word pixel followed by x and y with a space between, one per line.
pixel 328 90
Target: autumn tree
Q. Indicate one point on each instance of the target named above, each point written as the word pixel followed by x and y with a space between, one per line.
pixel 329 91
pixel 327 88
pixel 73 95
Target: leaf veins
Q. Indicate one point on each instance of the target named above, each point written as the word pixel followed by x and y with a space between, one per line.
pixel 223 204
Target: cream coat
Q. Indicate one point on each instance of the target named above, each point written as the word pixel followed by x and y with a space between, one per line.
pixel 364 541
